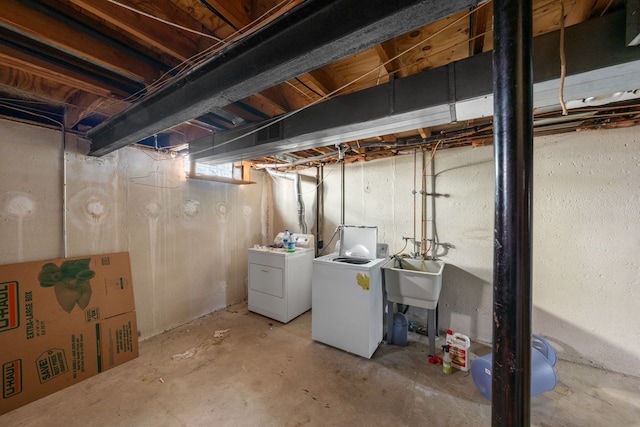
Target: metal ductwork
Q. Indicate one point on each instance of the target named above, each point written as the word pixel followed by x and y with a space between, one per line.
pixel 459 91
pixel 260 61
pixel 297 185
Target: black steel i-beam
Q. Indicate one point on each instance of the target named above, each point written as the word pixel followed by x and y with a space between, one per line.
pixel 513 148
pixel 310 36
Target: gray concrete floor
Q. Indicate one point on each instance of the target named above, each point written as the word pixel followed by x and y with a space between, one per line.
pixel 264 373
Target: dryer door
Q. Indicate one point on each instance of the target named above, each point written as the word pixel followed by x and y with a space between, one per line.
pixel 266 279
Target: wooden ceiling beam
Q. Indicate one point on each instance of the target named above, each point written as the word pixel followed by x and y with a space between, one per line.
pixel 186 16
pixel 424 133
pixel 57 35
pixel 256 63
pixel 20 63
pixel 323 81
pixel 23 53
pixel 192 10
pixel 262 103
pixel 185 132
pixel 359 71
pixel 386 51
pixel 79 106
pixel 175 42
pixel 575 12
pixel 23 86
pixel 387 138
pixel 213 121
pixel 600 7
pixel 286 96
pixel 243 113
pixel 479 21
pixel 264 12
pixel 236 13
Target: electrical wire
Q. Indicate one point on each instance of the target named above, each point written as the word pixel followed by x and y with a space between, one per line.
pixel 315 187
pixel 187 65
pixel 207 53
pixel 563 65
pixel 330 94
pixel 23 110
pixel 164 21
pixel 330 241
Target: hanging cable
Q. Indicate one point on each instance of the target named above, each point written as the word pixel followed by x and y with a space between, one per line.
pixel 205 56
pixel 164 21
pixel 357 79
pixel 563 66
pixel 187 65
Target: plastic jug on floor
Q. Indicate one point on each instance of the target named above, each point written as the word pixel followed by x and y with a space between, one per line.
pixel 400 329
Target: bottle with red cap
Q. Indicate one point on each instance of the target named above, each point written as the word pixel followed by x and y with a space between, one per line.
pixel 449 338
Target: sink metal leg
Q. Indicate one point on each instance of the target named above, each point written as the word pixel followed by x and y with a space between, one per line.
pixel 389 322
pixel 431 330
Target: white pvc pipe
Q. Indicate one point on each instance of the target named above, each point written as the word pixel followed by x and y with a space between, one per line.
pixel 64 192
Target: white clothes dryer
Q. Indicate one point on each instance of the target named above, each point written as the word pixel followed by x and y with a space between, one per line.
pixel 280 281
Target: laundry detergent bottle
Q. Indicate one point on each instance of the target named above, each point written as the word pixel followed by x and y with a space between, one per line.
pixel 285 239
pixel 291 244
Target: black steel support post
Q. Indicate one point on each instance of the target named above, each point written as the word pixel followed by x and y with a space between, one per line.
pixel 513 148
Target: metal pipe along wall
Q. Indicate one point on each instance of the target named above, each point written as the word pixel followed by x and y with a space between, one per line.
pixel 513 147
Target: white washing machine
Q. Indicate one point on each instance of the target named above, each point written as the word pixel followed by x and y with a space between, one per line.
pixel 347 298
pixel 280 281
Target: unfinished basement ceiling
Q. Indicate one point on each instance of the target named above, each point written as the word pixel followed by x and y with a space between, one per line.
pixel 285 82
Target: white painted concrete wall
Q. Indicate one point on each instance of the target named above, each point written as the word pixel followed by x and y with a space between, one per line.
pixel 187 239
pixel 586 269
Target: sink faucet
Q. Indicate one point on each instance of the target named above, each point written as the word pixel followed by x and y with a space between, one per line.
pixel 416 247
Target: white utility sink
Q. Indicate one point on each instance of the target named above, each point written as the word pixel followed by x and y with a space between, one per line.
pixel 413 282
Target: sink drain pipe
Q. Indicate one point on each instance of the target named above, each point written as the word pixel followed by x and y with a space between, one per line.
pixel 513 154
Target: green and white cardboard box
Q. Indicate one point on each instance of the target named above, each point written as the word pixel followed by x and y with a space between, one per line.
pixel 62 321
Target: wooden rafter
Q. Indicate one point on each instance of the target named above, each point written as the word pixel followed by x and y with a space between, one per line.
pixel 286 96
pixel 235 13
pixel 79 106
pixel 264 104
pixel 386 51
pixel 243 113
pixel 480 21
pixel 323 81
pixel 14 14
pixel 424 133
pixel 21 62
pixel 158 35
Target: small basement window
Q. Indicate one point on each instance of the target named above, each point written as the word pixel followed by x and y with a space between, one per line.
pixel 232 173
pixel 225 170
